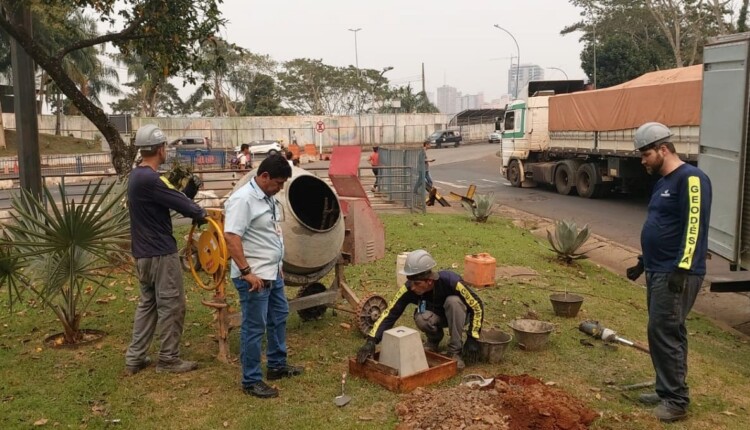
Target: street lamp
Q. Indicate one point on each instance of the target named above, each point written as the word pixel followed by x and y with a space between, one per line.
pixel 518 64
pixel 359 78
pixel 559 69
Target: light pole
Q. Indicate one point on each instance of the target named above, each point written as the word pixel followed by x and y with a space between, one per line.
pixel 559 69
pixel 359 78
pixel 518 59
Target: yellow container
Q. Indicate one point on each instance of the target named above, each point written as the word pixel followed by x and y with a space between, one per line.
pixel 479 269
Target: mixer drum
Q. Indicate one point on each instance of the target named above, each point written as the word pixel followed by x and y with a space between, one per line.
pixel 312 224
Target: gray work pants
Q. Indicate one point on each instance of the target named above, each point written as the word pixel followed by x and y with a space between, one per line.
pixel 667 335
pixel 454 317
pixel 162 302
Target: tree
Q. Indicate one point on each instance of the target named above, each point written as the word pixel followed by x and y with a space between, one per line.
pixel 311 87
pixel 166 34
pixel 262 98
pixel 411 102
pixel 742 17
pixel 151 93
pixel 647 34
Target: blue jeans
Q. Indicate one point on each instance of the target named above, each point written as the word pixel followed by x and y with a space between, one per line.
pixel 667 335
pixel 263 312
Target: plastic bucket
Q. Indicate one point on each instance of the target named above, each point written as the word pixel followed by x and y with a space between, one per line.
pixel 565 304
pixel 400 261
pixel 492 344
pixel 531 334
pixel 479 269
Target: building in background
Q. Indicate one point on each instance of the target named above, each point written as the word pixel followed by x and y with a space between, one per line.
pixel 527 73
pixel 470 101
pixel 447 99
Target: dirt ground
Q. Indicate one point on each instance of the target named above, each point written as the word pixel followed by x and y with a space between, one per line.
pixel 510 402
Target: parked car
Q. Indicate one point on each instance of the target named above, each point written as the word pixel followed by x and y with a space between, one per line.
pixel 264 146
pixel 446 137
pixel 495 137
pixel 197 144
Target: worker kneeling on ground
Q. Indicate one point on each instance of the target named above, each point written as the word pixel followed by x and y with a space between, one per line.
pixel 442 301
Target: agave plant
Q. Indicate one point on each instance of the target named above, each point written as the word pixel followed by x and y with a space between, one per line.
pixel 568 239
pixel 481 208
pixel 63 255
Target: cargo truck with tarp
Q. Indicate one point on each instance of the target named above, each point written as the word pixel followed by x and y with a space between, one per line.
pixel 582 142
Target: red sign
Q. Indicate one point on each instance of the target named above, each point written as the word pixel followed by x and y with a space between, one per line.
pixel 320 126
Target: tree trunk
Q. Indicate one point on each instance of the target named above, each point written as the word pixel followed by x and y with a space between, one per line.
pixel 122 155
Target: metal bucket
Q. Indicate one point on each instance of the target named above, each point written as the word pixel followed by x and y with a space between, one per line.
pixel 531 334
pixel 492 344
pixel 565 304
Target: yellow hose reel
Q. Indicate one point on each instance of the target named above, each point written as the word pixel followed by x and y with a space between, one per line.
pixel 206 252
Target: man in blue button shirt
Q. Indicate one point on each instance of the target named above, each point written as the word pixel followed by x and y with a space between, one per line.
pixel 252 230
pixel 674 241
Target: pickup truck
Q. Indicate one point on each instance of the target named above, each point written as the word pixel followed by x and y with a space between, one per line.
pixel 440 137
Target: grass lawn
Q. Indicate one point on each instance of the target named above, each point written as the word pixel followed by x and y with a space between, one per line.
pixel 51 144
pixel 85 387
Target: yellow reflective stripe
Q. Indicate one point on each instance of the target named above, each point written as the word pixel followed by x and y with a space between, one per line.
pixel 401 291
pixel 476 321
pixel 693 222
pixel 167 183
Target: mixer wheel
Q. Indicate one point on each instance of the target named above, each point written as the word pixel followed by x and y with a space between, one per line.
pixel 368 311
pixel 315 312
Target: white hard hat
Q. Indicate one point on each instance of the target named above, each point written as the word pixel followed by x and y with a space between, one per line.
pixel 651 133
pixel 419 261
pixel 149 136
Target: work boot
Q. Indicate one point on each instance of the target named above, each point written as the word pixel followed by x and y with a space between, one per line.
pixel 459 361
pixel 649 399
pixel 668 414
pixel 283 372
pixel 176 366
pixel 431 346
pixel 132 370
pixel 261 390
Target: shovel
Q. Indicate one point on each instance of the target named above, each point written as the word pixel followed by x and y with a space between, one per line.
pixel 343 399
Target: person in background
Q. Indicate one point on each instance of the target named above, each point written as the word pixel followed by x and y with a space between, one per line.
pixel 245 158
pixel 674 241
pixel 427 178
pixel 290 158
pixel 442 301
pixel 252 230
pixel 158 267
pixel 374 161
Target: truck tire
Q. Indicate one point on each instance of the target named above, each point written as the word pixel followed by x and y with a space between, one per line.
pixel 514 173
pixel 588 184
pixel 563 179
pixel 456 144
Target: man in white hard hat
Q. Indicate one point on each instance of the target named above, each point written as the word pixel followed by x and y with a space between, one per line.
pixel 674 241
pixel 442 300
pixel 162 301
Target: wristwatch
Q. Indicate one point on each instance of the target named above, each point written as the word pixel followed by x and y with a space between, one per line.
pixel 246 271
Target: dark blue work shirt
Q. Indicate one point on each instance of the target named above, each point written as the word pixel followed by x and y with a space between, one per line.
pixel 675 234
pixel 150 197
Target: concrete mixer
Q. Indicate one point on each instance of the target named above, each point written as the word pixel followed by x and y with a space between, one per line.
pixel 314 225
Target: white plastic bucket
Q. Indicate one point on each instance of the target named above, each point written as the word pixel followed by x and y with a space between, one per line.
pixel 400 261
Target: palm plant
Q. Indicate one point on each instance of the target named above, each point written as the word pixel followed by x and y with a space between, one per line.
pixel 63 255
pixel 568 239
pixel 482 207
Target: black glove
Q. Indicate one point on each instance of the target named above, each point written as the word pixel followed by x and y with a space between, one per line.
pixel 636 271
pixel 199 222
pixel 366 351
pixel 191 189
pixel 676 280
pixel 471 352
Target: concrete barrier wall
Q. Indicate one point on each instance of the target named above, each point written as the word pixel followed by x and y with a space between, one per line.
pixel 228 132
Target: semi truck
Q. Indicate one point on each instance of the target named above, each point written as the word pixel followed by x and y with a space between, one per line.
pixel 581 142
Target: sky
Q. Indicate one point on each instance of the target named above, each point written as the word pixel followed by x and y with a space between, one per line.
pixel 456 40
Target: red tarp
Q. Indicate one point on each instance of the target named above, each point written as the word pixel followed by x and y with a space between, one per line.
pixel 672 97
